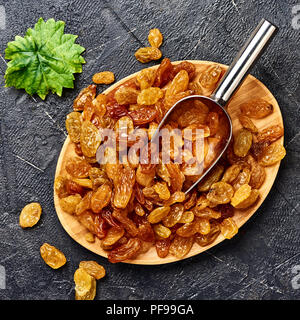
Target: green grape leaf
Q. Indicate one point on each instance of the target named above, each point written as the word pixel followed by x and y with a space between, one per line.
pixel 44 60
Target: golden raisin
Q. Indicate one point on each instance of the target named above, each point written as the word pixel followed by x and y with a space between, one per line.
pixel 98 177
pixel 85 285
pixel 231 173
pixel 163 73
pixel 69 203
pixel 123 187
pixel 139 210
pixel 143 115
pixel 243 178
pixel 228 228
pixel 202 202
pixel 258 173
pixel 174 215
pixel 184 65
pixel 127 223
pixel 84 204
pixel 176 176
pixel 187 217
pixel 247 123
pixel 90 139
pixel 53 257
pixel 86 95
pixel 30 215
pixel 256 108
pixel 89 237
pixel 249 201
pixel 73 126
pixel 179 84
pixel 155 38
pixel 242 143
pixel 86 183
pixel 162 231
pixel 181 246
pixel 270 134
pixel 210 77
pixel 101 198
pixel 158 214
pixel 146 78
pixel 196 88
pixel 129 250
pixel 177 196
pixel 104 77
pixel 78 168
pixel 187 230
pixel 241 194
pixel 148 54
pixel 162 190
pixel 272 154
pixel 203 226
pixel 60 186
pixel 206 239
pixel 220 192
pixel 149 96
pixel 93 269
pixel 87 220
pixel 213 176
pixel 152 129
pixel 206 213
pixel 126 95
pixel 113 235
pixel 162 247
pixel 144 179
pixel 99 104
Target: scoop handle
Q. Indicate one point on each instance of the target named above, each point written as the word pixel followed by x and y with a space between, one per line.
pixel 244 61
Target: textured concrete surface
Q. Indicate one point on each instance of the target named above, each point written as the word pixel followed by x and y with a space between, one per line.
pixel 259 262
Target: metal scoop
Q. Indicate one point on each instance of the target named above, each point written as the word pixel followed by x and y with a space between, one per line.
pixel 230 82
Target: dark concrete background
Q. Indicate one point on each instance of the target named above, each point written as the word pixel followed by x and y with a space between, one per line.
pixel 258 263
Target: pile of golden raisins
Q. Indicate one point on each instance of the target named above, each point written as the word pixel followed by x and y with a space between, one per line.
pixel 132 206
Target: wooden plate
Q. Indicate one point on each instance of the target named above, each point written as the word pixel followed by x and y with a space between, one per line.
pixel 251 88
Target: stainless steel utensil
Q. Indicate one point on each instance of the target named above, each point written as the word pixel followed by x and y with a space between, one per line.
pixel 231 81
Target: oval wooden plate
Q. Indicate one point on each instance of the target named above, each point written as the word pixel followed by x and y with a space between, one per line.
pixel 251 88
